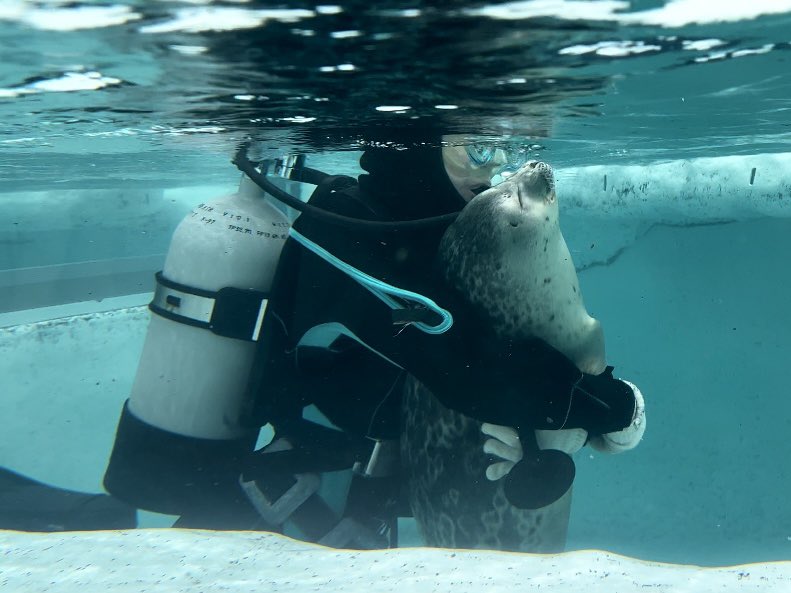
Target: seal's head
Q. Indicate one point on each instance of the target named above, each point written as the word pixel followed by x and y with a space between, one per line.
pixel 520 210
pixel 527 197
pixel 502 241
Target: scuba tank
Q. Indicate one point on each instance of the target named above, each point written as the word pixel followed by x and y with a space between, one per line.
pixel 191 379
pixel 181 433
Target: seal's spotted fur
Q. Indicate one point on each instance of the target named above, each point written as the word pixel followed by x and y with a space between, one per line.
pixel 455 506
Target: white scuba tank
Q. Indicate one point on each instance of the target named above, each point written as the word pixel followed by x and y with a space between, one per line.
pixel 192 378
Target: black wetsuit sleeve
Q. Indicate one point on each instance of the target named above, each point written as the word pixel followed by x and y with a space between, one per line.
pixel 521 384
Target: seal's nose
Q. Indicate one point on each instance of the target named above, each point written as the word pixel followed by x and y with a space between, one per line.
pixel 534 182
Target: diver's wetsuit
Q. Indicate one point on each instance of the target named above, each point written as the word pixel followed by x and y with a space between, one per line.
pixel 523 384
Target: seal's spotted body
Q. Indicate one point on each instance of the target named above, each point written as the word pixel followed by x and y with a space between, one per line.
pixel 506 254
pixel 455 506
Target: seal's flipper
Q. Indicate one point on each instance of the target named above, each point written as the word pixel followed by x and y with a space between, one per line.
pixel 541 478
pixel 28 505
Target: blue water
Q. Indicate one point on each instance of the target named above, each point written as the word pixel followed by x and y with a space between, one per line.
pixel 175 97
pixel 116 119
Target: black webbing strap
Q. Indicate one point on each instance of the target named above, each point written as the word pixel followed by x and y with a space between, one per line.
pixel 229 312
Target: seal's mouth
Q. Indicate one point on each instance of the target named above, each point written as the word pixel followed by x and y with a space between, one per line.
pixel 534 181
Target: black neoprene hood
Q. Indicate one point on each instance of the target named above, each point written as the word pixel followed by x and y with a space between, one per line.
pixel 412 183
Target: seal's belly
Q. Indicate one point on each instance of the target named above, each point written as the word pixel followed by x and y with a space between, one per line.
pixel 545 302
pixel 455 506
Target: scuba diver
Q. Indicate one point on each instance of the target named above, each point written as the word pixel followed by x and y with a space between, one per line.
pixel 350 310
pixel 350 304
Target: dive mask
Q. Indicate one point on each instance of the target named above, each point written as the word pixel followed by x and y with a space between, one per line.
pixel 471 167
pixel 480 155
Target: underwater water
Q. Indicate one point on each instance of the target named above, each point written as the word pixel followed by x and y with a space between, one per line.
pixel 667 123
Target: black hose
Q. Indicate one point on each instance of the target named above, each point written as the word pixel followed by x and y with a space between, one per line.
pixel 246 166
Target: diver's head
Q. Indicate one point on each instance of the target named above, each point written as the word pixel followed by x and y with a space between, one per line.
pixel 470 167
pixel 430 175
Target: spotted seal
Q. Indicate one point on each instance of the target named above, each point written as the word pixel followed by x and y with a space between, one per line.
pixel 506 254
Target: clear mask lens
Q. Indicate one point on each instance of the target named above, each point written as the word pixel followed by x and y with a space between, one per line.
pixel 480 155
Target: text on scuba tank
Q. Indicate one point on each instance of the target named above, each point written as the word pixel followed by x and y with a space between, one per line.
pixel 204 219
pixel 282 227
pixel 264 234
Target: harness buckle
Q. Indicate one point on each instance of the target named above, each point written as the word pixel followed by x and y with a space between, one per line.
pixel 277 511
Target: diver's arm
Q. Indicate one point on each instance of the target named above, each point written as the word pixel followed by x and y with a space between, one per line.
pixel 526 384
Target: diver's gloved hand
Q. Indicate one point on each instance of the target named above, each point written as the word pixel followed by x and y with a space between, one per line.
pixel 629 437
pixel 601 404
pixel 568 440
pixel 504 444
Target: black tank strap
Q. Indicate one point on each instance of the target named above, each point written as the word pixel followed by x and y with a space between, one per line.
pixel 230 312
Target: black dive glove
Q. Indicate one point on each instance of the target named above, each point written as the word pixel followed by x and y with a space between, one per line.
pixel 601 404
